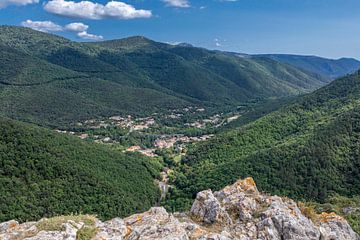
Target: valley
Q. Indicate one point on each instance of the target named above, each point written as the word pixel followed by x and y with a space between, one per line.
pixel 133 76
pixel 116 127
pixel 157 131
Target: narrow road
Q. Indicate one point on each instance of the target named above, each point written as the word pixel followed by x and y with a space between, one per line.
pixel 163 186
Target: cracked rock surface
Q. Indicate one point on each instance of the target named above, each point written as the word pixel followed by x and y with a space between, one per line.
pixel 238 211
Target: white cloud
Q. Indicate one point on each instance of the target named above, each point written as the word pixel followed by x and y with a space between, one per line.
pixel 5 3
pixel 90 10
pixel 81 30
pixel 177 3
pixel 173 43
pixel 43 26
pixel 88 36
pixel 48 26
pixel 77 27
pixel 217 42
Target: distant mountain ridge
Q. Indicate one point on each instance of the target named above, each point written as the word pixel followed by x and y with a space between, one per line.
pixel 332 68
pixel 135 75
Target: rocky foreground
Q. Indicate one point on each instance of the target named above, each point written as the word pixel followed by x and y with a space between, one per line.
pixel 238 211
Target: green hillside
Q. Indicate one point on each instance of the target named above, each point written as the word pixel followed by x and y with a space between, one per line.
pixel 332 68
pixel 35 90
pixel 184 71
pixel 44 174
pixel 307 150
pixel 49 80
pixel 208 75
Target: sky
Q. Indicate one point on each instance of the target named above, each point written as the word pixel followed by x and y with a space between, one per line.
pixel 327 28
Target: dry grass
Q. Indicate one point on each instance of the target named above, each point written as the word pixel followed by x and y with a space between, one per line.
pixel 55 223
pixel 308 211
pixel 87 232
pixel 263 206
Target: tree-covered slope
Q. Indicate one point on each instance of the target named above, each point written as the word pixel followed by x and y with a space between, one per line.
pixel 43 173
pixel 45 92
pixel 50 80
pixel 306 150
pixel 206 75
pixel 20 69
pixel 332 68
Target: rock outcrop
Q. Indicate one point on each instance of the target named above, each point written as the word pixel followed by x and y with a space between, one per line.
pixel 238 211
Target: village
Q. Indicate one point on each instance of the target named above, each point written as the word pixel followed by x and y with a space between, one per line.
pixel 114 129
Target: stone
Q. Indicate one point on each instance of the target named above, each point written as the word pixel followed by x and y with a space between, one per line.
pixel 48 235
pixel 241 199
pixel 284 220
pixel 350 210
pixel 334 227
pixel 207 209
pixel 114 229
pixel 70 231
pixel 237 212
pixel 8 226
pixel 155 224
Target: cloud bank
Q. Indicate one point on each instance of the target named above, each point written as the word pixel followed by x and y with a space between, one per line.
pixel 47 26
pixel 88 36
pixel 96 11
pixel 177 3
pixel 42 26
pixel 76 27
pixel 5 3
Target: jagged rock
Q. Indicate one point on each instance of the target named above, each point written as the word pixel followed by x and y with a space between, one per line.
pixel 240 199
pixel 350 210
pixel 216 236
pixel 247 186
pixel 155 224
pixel 114 229
pixel 48 235
pixel 12 230
pixel 238 212
pixel 69 232
pixel 333 226
pixel 284 220
pixel 8 226
pixel 208 209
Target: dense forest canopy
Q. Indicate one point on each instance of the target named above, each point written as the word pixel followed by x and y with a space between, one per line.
pixel 307 150
pixel 52 81
pixel 43 173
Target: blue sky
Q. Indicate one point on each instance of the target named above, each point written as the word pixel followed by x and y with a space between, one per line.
pixel 329 28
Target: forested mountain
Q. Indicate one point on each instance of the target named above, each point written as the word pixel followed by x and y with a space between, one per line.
pixel 308 149
pixel 40 92
pixel 50 80
pixel 332 68
pixel 204 74
pixel 34 88
pixel 44 174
